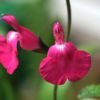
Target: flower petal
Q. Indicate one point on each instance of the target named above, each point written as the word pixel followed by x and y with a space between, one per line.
pixel 12 39
pixel 8 53
pixel 58 33
pixel 2 43
pixel 67 49
pixel 28 40
pixel 55 66
pixel 52 70
pixel 9 62
pixel 2 38
pixel 80 65
pixel 11 20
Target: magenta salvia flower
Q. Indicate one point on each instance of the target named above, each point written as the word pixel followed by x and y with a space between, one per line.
pixel 64 61
pixel 8 51
pixel 28 40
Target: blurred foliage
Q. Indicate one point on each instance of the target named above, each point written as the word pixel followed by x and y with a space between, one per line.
pixel 46 90
pixel 92 91
pixel 90 48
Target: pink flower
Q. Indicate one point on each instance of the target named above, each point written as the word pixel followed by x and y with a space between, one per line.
pixel 8 51
pixel 64 61
pixel 28 40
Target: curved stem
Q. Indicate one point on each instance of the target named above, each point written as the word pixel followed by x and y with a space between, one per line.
pixel 55 92
pixel 69 18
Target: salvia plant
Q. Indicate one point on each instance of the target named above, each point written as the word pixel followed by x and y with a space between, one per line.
pixel 64 61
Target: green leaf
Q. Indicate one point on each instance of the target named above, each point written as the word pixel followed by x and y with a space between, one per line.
pixel 90 92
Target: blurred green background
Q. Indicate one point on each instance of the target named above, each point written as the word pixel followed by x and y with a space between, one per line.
pixel 26 83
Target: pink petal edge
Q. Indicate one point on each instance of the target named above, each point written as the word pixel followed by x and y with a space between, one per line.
pixel 80 65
